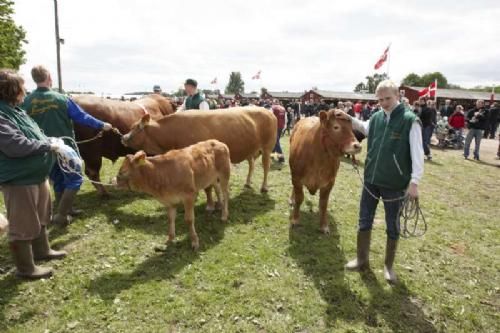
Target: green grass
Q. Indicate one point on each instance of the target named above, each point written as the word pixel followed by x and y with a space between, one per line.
pixel 255 275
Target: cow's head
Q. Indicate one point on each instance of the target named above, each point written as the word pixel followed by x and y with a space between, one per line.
pixel 336 133
pixel 130 170
pixel 136 138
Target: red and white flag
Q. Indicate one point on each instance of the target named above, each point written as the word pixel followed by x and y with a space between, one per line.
pixel 214 81
pixel 430 91
pixel 256 76
pixel 382 58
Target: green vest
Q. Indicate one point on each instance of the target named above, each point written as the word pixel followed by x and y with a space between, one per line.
pixel 388 161
pixel 193 102
pixel 31 170
pixel 50 111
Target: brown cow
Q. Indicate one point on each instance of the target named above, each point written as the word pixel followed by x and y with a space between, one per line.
pixel 177 176
pixel 316 146
pixel 121 115
pixel 247 131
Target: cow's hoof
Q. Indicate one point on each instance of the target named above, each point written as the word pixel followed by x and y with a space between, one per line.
pixel 195 246
pixel 295 225
pixel 219 206
pixel 325 230
pixel 264 190
pixel 290 202
pixel 209 209
pixel 248 186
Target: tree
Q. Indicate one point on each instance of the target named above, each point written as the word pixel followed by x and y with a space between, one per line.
pixel 412 79
pixel 428 78
pixel 179 93
pixel 235 84
pixel 360 87
pixel 12 38
pixel 371 83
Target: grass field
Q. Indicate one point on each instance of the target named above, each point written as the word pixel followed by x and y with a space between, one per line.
pixel 255 275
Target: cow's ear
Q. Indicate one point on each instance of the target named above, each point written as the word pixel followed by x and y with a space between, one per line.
pixel 139 158
pixel 323 117
pixel 145 119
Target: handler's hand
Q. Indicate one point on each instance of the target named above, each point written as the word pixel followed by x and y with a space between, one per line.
pixel 107 127
pixel 413 191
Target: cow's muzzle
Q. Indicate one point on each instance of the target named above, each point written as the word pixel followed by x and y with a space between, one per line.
pixel 125 139
pixel 353 149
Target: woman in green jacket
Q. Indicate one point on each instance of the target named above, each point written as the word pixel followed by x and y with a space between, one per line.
pixel 26 159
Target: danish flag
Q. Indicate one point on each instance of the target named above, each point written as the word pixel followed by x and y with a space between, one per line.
pixel 382 58
pixel 430 91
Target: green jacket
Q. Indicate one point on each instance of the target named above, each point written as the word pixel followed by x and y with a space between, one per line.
pixel 50 111
pixel 193 102
pixel 388 161
pixel 33 168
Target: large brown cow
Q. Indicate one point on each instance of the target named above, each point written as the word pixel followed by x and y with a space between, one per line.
pixel 121 115
pixel 316 146
pixel 177 176
pixel 247 131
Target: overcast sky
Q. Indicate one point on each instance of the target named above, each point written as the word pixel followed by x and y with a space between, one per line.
pixel 117 46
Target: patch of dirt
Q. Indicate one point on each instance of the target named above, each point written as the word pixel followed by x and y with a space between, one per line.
pixel 459 248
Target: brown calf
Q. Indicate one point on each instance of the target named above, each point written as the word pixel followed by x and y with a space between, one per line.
pixel 177 176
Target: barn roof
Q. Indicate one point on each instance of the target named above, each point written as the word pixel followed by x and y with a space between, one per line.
pixel 250 95
pixel 460 93
pixel 345 95
pixel 285 94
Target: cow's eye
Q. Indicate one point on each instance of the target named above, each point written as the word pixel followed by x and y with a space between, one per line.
pixel 336 127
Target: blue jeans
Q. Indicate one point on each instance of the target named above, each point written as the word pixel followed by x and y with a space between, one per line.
pixel 477 134
pixel 368 207
pixel 62 180
pixel 277 146
pixel 426 138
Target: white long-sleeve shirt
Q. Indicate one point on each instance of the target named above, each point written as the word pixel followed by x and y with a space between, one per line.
pixel 203 106
pixel 416 147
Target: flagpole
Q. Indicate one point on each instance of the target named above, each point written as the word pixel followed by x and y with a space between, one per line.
pixel 389 60
pixel 436 93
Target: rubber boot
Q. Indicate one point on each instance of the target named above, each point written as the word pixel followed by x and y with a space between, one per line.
pixel 363 251
pixel 63 217
pixel 390 254
pixel 23 258
pixel 73 211
pixel 41 248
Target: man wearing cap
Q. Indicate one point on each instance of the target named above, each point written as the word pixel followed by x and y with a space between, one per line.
pixel 55 114
pixel 157 89
pixel 194 101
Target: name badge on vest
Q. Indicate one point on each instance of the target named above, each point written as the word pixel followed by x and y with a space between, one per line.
pixel 395 135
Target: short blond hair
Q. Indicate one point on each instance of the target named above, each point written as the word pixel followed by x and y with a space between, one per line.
pixel 387 85
pixel 39 73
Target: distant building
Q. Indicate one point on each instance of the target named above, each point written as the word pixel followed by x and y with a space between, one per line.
pixel 458 96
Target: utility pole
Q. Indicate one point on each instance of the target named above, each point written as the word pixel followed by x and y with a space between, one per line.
pixel 58 48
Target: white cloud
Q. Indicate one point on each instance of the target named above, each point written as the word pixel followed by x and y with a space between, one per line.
pixel 117 46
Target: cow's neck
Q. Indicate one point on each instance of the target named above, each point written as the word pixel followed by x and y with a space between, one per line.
pixel 327 144
pixel 152 147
